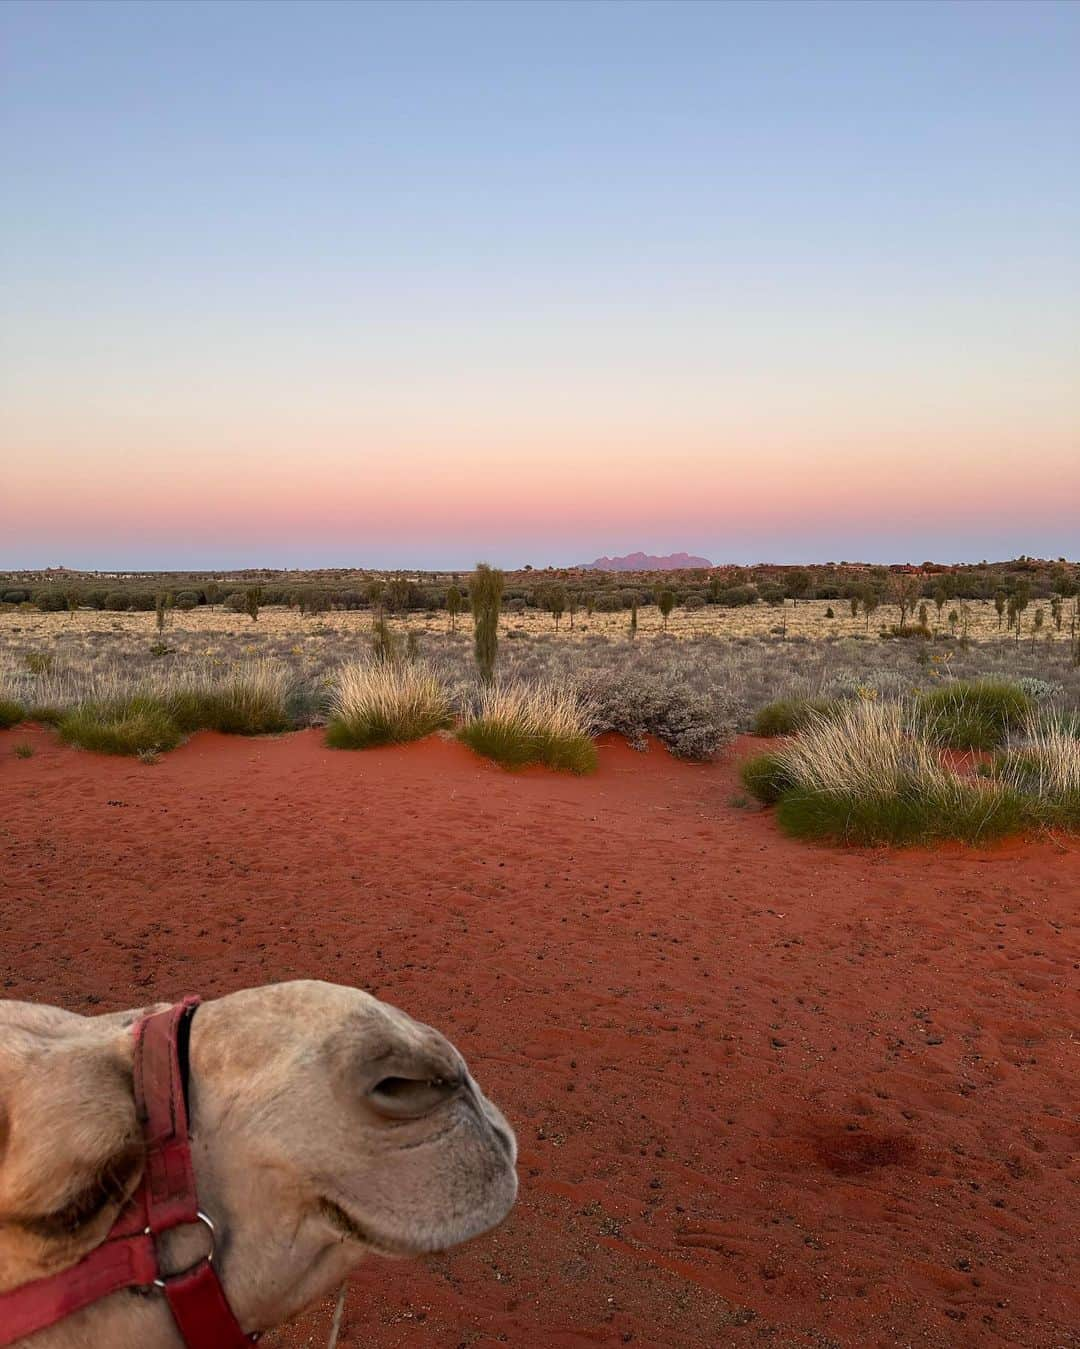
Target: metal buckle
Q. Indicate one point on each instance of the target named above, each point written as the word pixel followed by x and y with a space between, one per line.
pixel 208 1258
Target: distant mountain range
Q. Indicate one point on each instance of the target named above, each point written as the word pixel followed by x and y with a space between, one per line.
pixel 646 562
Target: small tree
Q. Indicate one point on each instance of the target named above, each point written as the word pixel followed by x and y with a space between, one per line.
pixel 798 586
pixel 374 592
pixel 1018 602
pixel 906 593
pixel 870 602
pixel 485 596
pixel 571 606
pixel 163 602
pixel 1000 601
pixel 854 606
pixel 940 596
pixel 453 606
pixel 924 615
pixel 557 603
pixel 633 619
pixel 383 641
pixel 1037 619
pixel 666 602
pixel 1056 610
pixel 252 599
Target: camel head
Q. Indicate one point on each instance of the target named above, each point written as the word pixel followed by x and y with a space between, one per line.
pixel 325 1125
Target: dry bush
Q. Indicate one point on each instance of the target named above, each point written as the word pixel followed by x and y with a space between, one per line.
pixel 636 703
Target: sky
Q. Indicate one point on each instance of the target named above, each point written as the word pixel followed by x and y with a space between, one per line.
pixel 413 284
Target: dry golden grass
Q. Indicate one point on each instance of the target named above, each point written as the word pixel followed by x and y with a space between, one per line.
pixel 382 703
pixel 807 619
pixel 518 724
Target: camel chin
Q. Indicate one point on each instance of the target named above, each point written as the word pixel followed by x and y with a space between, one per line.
pixel 325 1125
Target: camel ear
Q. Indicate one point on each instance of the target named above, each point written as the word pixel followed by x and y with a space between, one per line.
pixel 71 1150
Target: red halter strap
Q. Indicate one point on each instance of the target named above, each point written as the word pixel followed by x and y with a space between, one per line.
pixel 165 1199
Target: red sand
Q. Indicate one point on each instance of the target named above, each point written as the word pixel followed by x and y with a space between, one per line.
pixel 765 1093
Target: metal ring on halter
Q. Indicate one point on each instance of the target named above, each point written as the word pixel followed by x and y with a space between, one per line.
pixel 208 1257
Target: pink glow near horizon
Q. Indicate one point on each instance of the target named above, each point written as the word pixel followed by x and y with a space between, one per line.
pixel 446 508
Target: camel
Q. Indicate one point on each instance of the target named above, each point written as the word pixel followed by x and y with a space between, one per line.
pixel 324 1125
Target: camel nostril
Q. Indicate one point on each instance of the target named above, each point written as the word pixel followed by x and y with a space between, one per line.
pixel 410 1097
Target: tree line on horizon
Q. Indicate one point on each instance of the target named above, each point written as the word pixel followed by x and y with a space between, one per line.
pixel 561 593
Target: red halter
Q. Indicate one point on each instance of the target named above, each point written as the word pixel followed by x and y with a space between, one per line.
pixel 165 1199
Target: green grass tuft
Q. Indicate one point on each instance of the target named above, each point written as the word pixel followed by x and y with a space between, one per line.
pixel 520 724
pixel 134 725
pixel 766 777
pixel 974 813
pixel 251 699
pixel 11 713
pixel 788 715
pixel 974 715
pixel 515 747
pixel 873 774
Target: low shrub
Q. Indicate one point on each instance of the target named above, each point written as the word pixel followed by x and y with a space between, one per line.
pixel 1039 689
pixel 519 724
pixel 976 714
pixel 384 703
pixel 637 703
pixel 918 632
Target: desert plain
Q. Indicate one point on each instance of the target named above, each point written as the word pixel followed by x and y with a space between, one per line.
pixel 766 1092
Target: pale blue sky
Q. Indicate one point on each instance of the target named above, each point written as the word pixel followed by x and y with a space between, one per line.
pixel 577 242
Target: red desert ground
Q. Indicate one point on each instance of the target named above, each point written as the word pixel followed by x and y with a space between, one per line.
pixel 765 1093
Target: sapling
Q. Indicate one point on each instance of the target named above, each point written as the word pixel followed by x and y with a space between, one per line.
pixel 485 596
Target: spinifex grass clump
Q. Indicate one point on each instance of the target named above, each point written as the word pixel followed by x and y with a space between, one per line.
pixel 136 724
pixel 976 714
pixel 1043 765
pixel 787 715
pixel 866 774
pixel 383 703
pixel 154 715
pixel 250 699
pixel 766 777
pixel 519 724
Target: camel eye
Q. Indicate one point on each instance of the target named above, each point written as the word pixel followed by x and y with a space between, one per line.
pixel 411 1098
